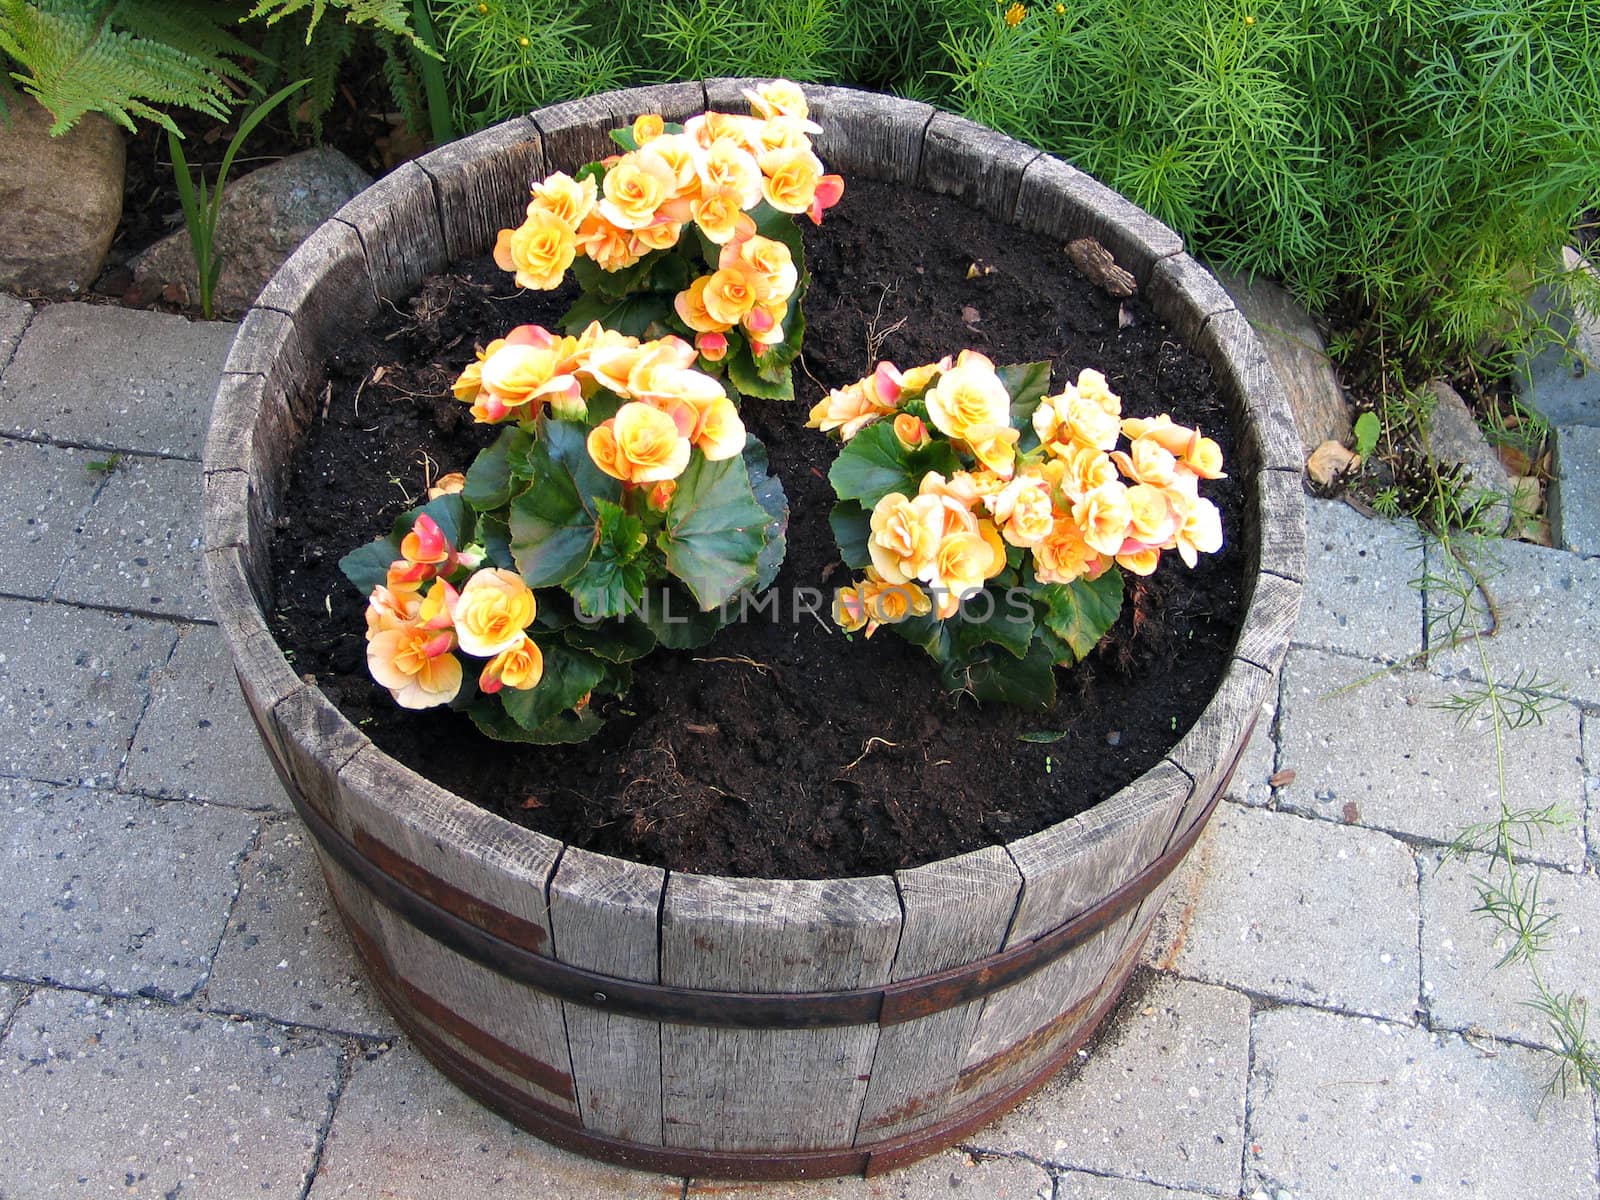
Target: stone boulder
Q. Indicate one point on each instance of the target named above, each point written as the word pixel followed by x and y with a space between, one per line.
pixel 264 216
pixel 60 199
pixel 1296 350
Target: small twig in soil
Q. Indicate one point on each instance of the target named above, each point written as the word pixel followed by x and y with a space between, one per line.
pixel 327 399
pixel 742 660
pixel 867 749
pixel 875 336
pixel 703 730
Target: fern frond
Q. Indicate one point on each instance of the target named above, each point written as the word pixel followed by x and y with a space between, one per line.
pixel 78 58
pixel 391 16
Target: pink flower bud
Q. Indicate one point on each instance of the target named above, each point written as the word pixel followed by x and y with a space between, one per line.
pixel 713 347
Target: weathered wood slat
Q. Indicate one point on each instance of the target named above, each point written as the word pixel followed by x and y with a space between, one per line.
pixel 325 288
pixel 482 182
pixel 1270 613
pixel 1235 352
pixel 1281 525
pixel 792 1089
pixel 446 845
pixel 1066 869
pixel 1208 751
pixel 265 677
pixel 605 916
pixel 317 741
pixel 1185 295
pixel 956 911
pixel 579 131
pixel 1062 201
pixel 397 220
pixel 974 164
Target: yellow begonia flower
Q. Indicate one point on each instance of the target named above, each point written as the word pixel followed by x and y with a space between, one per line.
pixel 632 191
pixel 388 610
pixel 1104 515
pixel 780 98
pixel 968 396
pixel 1023 511
pixel 520 666
pixel 1152 521
pixel 1200 532
pixel 1063 556
pixel 447 485
pixel 647 127
pixel 493 609
pixel 416 665
pixel 640 444
pixel 610 247
pixel 730 293
pixel 538 251
pixel 565 198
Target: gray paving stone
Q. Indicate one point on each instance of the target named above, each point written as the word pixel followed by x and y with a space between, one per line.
pixel 1460 949
pixel 44 491
pixel 1161 1099
pixel 952 1175
pixel 1591 784
pixel 401 1129
pixel 1249 784
pixel 1549 604
pixel 115 893
pixel 196 739
pixel 1385 755
pixel 138 546
pixel 1563 381
pixel 129 1098
pixel 1576 491
pixel 1359 597
pixel 72 685
pixel 1351 1109
pixel 1306 911
pixel 14 317
pixel 116 378
pixel 1079 1185
pixel 11 995
pixel 285 954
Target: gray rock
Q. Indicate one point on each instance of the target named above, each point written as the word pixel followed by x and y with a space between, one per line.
pixel 1453 436
pixel 1295 348
pixel 60 199
pixel 265 215
pixel 1575 496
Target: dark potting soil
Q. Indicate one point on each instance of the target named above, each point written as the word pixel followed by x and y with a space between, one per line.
pixel 783 749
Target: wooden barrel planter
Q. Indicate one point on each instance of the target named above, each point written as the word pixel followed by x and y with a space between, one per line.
pixel 689 1024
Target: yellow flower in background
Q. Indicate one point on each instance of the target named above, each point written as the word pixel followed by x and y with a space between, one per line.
pixel 1015 14
pixel 730 293
pixel 690 305
pixel 963 563
pixel 631 192
pixel 647 127
pixel 492 610
pixel 780 98
pixel 447 485
pixel 904 536
pixel 612 248
pixel 1104 515
pixel 790 178
pixel 1063 556
pixel 719 214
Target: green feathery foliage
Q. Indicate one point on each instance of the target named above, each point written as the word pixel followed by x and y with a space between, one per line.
pixel 392 16
pixel 125 58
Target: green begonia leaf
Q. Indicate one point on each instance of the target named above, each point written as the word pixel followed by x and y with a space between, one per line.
pixel 714 530
pixel 555 523
pixel 1027 384
pixel 488 483
pixel 991 673
pixel 677 622
pixel 747 377
pixel 1008 622
pixel 874 463
pixel 616 641
pixel 852 526
pixel 1079 613
pixel 768 492
pixel 492 719
pixel 569 675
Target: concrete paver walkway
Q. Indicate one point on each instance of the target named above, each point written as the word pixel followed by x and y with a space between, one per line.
pixel 181 1016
